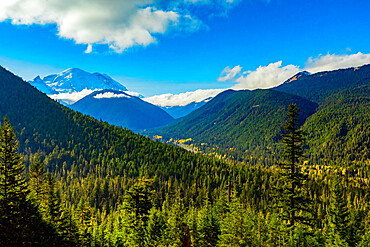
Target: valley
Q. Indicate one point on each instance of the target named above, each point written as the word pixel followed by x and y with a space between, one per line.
pixel 121 188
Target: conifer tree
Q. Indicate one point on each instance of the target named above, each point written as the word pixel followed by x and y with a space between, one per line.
pixel 137 205
pixel 54 214
pixel 291 198
pixel 19 218
pixel 36 176
pixel 338 218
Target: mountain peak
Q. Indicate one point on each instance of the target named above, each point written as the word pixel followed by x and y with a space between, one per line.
pixel 74 80
pixel 297 76
pixel 37 79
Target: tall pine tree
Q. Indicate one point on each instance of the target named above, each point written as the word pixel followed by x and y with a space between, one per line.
pixel 291 197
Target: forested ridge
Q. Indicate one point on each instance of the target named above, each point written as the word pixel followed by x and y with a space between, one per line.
pixel 239 125
pixel 246 125
pixel 317 87
pixel 116 188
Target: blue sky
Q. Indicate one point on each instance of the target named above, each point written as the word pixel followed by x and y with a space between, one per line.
pixel 182 45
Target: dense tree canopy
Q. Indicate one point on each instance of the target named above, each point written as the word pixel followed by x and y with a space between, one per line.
pixel 87 183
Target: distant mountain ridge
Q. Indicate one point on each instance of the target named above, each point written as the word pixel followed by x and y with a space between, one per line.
pixel 246 125
pixel 317 87
pixel 181 111
pixel 75 80
pixel 121 109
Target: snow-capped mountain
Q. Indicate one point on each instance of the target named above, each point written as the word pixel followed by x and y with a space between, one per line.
pixel 73 84
pixel 75 80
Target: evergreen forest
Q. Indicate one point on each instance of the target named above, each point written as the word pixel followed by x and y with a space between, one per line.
pixel 67 179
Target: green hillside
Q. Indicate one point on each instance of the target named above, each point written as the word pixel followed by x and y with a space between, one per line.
pixel 339 132
pixel 245 124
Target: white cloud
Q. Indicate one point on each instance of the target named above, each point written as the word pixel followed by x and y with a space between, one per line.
pixel 70 98
pixel 183 99
pixel 88 49
pixel 274 74
pixel 109 95
pixel 120 24
pixel 229 74
pixel 135 94
pixel 266 76
pixel 333 62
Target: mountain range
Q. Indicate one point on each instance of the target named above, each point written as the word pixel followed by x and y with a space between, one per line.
pixel 74 85
pixel 246 125
pixel 232 123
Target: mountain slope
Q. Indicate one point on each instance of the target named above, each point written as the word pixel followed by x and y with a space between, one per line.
pixel 317 87
pixel 241 123
pixel 121 109
pixel 339 132
pixel 75 80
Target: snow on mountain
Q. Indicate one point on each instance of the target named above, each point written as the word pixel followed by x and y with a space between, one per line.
pixel 75 80
pixel 73 84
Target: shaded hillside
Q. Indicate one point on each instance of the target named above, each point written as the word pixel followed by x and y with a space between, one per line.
pixel 247 124
pixel 317 87
pixel 339 132
pixel 121 109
